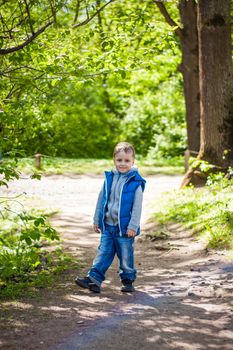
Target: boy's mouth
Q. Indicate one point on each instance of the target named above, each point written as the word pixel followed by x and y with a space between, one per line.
pixel 123 168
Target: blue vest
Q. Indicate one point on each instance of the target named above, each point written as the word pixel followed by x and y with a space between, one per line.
pixel 133 181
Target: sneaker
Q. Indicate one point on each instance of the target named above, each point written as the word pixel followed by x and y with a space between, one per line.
pixel 127 286
pixel 94 288
pixel 83 282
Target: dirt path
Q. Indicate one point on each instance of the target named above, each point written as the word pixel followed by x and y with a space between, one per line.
pixel 183 298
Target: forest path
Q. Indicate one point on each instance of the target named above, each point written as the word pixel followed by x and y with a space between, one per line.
pixel 183 297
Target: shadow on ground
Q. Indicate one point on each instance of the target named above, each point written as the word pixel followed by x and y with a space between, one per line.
pixel 183 301
pixel 183 298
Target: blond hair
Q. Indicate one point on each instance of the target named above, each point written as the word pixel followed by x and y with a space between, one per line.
pixel 125 147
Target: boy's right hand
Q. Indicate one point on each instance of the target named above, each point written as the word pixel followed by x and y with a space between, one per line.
pixel 96 228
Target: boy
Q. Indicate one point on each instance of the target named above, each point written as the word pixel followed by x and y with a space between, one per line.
pixel 117 218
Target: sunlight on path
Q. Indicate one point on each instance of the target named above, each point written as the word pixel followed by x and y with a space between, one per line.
pixel 77 195
pixel 155 187
pixel 74 198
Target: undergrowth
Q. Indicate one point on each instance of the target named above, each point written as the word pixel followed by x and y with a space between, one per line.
pixel 29 284
pixel 28 259
pixel 26 255
pixel 208 211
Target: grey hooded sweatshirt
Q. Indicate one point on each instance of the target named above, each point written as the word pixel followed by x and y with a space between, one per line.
pixel 111 216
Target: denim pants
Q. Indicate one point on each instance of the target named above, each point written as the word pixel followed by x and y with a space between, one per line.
pixel 112 243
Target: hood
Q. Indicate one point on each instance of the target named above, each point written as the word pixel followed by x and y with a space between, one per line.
pixel 132 170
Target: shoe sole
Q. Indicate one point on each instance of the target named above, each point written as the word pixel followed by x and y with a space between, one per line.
pixel 81 284
pixel 127 291
pixel 93 290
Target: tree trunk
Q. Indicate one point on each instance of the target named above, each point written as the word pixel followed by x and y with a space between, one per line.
pixel 188 37
pixel 190 71
pixel 216 86
pixel 215 62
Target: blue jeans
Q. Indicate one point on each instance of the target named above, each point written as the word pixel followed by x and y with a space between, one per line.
pixel 112 243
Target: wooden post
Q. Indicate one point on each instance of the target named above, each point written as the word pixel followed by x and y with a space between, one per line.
pixel 38 160
pixel 186 159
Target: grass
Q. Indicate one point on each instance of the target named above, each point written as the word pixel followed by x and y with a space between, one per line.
pixel 55 165
pixel 207 211
pixel 29 284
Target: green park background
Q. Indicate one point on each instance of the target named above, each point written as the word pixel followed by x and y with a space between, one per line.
pixel 76 78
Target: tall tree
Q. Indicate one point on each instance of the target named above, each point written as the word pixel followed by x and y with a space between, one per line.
pixel 216 88
pixel 190 70
pixel 216 85
pixel 188 37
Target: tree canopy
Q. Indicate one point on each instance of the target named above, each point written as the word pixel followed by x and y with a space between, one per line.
pixel 84 74
pixel 79 75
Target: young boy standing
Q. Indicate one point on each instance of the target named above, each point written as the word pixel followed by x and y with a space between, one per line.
pixel 117 218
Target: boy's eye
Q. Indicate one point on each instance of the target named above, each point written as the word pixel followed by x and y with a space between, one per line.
pixel 121 160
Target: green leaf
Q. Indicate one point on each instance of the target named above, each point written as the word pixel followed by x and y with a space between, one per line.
pixel 123 74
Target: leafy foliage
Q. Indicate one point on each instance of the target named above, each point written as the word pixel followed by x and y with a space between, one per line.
pixel 208 211
pixel 22 236
pixel 77 89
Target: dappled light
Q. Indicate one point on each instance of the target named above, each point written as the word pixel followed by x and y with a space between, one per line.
pixel 116 175
pixel 183 297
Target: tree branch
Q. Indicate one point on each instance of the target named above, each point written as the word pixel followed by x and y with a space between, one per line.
pixel 29 16
pixel 53 10
pixel 5 73
pixel 87 20
pixel 169 20
pixel 25 43
pixel 11 92
pixel 77 11
pixel 102 35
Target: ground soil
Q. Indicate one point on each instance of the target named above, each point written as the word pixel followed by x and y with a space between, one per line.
pixel 183 297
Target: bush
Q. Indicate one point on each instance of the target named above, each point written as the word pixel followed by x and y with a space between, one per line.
pixel 21 239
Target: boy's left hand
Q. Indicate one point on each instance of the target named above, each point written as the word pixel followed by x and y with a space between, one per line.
pixel 131 233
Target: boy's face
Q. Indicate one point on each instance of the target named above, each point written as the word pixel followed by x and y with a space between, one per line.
pixel 123 161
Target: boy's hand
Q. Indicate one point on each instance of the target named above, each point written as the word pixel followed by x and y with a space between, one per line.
pixel 96 228
pixel 131 233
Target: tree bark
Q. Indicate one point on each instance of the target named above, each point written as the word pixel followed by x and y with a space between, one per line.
pixel 189 66
pixel 216 87
pixel 190 71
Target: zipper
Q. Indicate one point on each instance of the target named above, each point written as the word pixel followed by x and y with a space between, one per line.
pixel 114 195
pixel 119 223
pixel 106 191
